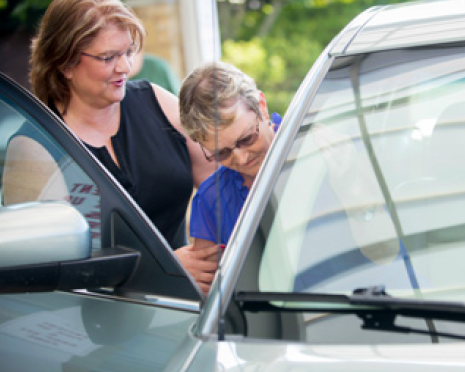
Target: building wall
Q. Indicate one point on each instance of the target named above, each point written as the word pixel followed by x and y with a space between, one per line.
pixel 183 32
pixel 164 37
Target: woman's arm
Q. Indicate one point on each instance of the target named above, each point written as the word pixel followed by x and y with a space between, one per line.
pixel 201 167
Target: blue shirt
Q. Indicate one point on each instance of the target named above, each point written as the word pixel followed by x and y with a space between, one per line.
pixel 231 197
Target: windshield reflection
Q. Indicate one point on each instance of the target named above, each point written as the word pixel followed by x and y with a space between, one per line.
pixel 372 192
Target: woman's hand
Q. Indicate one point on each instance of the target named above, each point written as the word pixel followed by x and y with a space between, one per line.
pixel 200 263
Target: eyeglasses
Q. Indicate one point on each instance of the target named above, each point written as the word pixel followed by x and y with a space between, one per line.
pixel 225 153
pixel 112 59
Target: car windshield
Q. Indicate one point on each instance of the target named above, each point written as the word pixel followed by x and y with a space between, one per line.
pixel 372 192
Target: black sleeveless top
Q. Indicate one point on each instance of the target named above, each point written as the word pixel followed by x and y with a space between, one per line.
pixel 154 163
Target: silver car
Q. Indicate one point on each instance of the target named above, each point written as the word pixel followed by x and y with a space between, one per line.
pixel 348 256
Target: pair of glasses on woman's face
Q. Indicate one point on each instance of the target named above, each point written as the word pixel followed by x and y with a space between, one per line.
pixel 225 153
pixel 112 59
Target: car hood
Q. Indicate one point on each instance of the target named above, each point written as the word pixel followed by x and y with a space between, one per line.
pixel 270 356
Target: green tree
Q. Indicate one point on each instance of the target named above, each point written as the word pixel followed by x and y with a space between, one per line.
pixel 277 41
pixel 21 14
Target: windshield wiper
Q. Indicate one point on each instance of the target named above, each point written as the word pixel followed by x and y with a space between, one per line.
pixel 377 296
pixel 372 300
pixel 373 305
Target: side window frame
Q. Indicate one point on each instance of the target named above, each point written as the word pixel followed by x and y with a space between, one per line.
pixel 122 220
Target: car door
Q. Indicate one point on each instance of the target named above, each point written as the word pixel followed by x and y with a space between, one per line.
pixel 137 324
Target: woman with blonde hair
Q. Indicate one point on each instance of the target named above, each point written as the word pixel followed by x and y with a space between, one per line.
pixel 225 113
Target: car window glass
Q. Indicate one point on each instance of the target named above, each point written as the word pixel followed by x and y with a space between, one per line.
pixel 373 190
pixel 33 166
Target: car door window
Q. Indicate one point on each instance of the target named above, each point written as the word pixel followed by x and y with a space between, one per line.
pixel 33 166
pixel 42 160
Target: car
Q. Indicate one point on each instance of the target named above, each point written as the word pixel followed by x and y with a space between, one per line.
pixel 348 254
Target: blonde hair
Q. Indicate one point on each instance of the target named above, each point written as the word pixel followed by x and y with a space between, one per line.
pixel 209 96
pixel 67 28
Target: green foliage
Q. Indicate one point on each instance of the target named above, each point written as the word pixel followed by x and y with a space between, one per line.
pixel 277 64
pixel 279 56
pixel 253 57
pixel 23 14
pixel 25 8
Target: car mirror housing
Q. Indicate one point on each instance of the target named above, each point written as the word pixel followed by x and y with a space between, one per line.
pixel 41 232
pixel 46 246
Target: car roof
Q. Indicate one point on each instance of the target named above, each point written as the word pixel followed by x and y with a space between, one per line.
pixel 410 24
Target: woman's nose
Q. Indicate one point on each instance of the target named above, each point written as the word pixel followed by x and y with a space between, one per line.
pixel 124 64
pixel 240 155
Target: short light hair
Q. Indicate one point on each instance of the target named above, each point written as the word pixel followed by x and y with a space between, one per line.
pixel 67 28
pixel 209 96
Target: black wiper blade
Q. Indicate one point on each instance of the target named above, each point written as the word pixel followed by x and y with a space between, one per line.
pixel 253 300
pixel 371 300
pixel 385 321
pixel 377 297
pixel 373 305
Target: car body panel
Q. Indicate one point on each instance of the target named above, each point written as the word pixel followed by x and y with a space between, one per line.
pixel 297 357
pixel 404 25
pixel 63 331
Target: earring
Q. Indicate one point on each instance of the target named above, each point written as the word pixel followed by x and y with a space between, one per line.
pixel 276 118
pixel 275 121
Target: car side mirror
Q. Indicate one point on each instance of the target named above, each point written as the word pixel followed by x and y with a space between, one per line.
pixel 42 232
pixel 46 246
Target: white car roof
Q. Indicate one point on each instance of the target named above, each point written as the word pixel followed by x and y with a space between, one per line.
pixel 417 23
